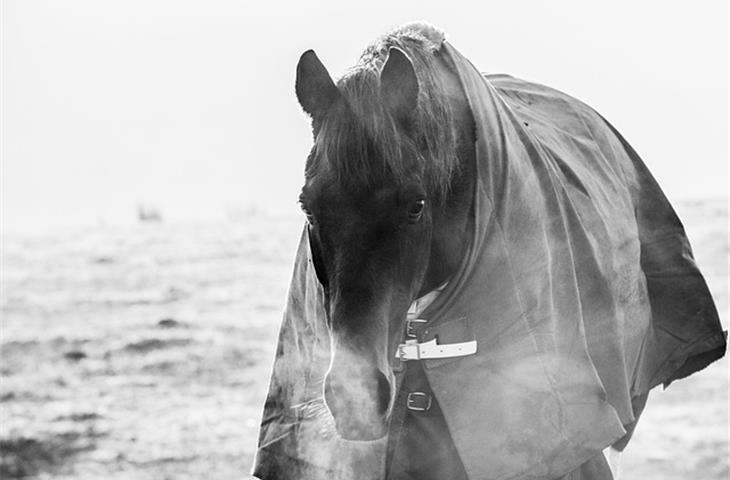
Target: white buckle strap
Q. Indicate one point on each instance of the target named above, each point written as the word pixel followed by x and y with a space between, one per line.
pixel 412 350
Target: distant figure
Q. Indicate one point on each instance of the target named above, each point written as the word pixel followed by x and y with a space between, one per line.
pixel 148 214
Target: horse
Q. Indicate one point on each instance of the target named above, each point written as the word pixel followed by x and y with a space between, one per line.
pixel 507 203
pixel 387 196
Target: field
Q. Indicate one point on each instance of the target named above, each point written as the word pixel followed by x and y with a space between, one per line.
pixel 143 352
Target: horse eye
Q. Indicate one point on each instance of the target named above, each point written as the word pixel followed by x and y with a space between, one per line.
pixel 415 210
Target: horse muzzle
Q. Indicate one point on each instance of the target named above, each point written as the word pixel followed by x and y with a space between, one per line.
pixel 360 400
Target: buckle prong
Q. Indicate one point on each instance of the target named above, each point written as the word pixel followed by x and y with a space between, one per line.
pixel 413 400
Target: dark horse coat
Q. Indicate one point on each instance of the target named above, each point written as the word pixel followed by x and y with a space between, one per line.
pixel 579 286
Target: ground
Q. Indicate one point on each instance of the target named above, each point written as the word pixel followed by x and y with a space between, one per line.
pixel 143 352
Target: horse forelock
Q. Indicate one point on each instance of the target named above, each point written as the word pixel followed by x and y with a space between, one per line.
pixel 360 144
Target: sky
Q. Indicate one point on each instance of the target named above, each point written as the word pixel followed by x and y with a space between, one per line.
pixel 189 107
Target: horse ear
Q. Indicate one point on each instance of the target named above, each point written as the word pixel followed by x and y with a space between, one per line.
pixel 399 85
pixel 315 89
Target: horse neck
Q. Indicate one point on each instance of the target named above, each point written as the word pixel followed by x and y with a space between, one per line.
pixel 452 219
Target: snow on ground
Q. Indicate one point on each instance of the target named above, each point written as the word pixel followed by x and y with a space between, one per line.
pixel 144 352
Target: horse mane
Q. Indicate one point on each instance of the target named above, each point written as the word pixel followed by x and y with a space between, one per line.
pixel 361 143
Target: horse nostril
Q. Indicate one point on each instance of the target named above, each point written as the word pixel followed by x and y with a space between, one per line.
pixel 383 395
pixel 329 396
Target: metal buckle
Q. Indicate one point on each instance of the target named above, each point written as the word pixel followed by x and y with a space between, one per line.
pixel 408 351
pixel 411 328
pixel 418 401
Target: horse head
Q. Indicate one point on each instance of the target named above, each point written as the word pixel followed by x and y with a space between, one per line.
pixel 387 196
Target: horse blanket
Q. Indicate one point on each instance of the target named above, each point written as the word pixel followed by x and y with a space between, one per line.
pixel 579 286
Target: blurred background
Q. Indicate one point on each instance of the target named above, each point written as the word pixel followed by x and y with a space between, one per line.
pixel 151 157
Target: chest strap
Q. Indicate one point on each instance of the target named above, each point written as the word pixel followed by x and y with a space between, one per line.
pixel 412 350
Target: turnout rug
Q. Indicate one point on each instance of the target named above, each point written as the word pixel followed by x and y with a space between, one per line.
pixel 579 286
